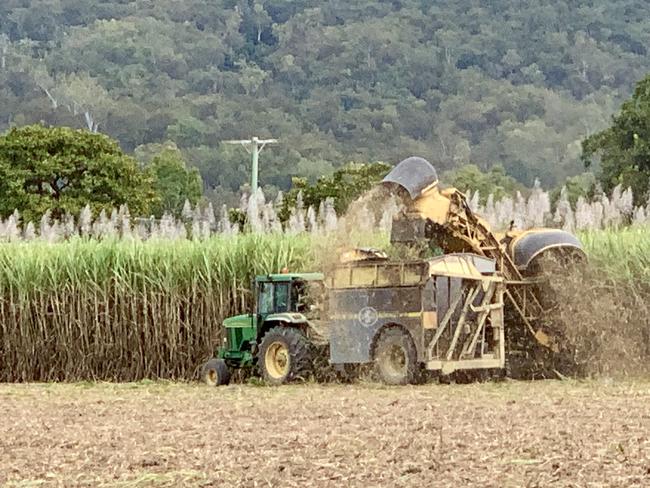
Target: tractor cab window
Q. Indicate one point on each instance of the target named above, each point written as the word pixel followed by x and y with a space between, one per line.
pixel 273 298
pixel 281 297
pixel 265 300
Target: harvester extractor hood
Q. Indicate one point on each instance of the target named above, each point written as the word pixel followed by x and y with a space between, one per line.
pixel 414 175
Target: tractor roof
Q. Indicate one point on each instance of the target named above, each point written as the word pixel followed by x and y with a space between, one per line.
pixel 290 277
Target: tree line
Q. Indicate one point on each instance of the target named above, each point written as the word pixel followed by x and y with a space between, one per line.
pixel 518 84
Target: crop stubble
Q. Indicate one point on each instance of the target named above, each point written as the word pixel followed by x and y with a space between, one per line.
pixel 163 434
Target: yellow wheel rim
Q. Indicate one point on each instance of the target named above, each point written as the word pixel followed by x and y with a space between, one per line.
pixel 276 360
pixel 212 377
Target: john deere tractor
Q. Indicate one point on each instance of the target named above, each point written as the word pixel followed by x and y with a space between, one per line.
pixel 279 336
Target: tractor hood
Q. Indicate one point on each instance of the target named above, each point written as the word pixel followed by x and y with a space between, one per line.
pixel 238 321
pixel 413 174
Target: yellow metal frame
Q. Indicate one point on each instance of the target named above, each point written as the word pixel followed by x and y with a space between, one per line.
pixel 467 232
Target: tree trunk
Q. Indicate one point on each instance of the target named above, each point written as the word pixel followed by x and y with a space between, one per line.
pixel 90 122
pixel 55 103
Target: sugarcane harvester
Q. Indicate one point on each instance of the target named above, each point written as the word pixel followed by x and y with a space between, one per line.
pixel 442 217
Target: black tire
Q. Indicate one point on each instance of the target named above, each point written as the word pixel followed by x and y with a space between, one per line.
pixel 395 357
pixel 285 355
pixel 215 372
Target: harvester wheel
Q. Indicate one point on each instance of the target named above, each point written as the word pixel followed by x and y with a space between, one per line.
pixel 395 357
pixel 215 372
pixel 285 355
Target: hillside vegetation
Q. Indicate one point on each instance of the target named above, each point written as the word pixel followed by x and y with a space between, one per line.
pixel 517 83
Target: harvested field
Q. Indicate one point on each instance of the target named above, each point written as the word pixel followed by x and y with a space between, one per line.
pixel 507 434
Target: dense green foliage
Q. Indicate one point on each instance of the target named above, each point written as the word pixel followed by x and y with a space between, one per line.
pixel 343 187
pixel 583 185
pixel 623 254
pixel 516 83
pixel 62 170
pixel 174 182
pixel 624 148
pixel 493 182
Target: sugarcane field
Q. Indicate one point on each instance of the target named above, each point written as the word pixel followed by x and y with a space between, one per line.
pixel 254 243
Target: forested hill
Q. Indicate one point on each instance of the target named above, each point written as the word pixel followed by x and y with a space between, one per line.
pixel 513 82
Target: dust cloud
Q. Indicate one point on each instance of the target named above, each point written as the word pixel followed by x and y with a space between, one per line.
pixel 605 321
pixel 366 224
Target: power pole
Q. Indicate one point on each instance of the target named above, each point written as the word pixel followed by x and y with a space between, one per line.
pixel 256 146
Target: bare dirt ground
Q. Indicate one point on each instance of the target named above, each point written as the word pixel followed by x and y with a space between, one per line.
pixel 163 434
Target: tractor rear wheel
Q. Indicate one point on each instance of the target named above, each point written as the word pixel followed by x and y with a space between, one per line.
pixel 215 372
pixel 395 357
pixel 285 355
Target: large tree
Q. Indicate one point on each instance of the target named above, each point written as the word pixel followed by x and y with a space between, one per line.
pixel 624 148
pixel 62 170
pixel 174 182
pixel 343 187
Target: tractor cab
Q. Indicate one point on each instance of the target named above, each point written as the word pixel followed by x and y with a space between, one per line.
pixel 287 294
pixel 285 305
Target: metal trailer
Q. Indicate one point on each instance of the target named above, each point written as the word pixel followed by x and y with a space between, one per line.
pixel 443 314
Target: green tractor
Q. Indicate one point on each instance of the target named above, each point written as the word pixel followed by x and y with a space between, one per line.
pixel 280 335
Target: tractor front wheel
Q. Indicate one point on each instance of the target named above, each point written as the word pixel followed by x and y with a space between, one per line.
pixel 395 357
pixel 285 355
pixel 215 372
